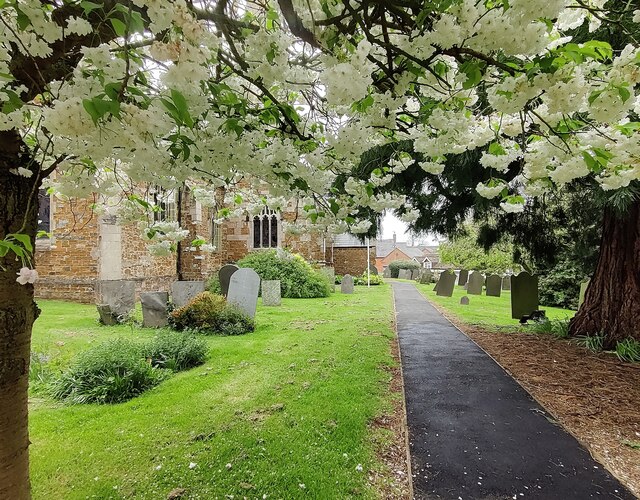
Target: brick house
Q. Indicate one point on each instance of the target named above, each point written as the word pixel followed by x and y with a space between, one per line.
pixel 85 248
pixel 389 250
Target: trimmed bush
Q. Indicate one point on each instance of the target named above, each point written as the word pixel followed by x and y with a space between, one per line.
pixel 396 265
pixel 176 351
pixel 210 314
pixel 374 279
pixel 111 372
pixel 298 279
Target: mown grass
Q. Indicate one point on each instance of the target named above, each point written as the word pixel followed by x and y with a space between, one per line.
pixel 281 412
pixel 483 310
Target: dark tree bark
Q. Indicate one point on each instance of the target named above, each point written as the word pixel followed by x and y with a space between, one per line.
pixel 18 311
pixel 612 301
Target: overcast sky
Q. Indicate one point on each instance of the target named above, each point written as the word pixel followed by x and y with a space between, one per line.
pixel 391 224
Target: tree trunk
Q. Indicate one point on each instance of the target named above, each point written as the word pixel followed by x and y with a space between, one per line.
pixel 612 301
pixel 18 311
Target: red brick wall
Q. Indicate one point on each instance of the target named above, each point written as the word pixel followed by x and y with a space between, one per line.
pixel 395 254
pixel 352 260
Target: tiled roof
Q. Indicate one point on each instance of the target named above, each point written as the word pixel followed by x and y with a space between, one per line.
pixel 385 247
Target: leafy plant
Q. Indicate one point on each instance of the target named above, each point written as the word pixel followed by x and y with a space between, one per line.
pixel 396 265
pixel 560 285
pixel 176 351
pixel 374 279
pixel 111 372
pixel 210 314
pixel 594 343
pixel 39 371
pixel 298 279
pixel 628 350
pixel 559 328
pixel 213 285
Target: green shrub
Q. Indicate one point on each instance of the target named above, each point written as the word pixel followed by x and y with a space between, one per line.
pixel 111 372
pixel 628 350
pixel 298 279
pixel 396 265
pixel 213 285
pixel 210 314
pixel 374 279
pixel 176 351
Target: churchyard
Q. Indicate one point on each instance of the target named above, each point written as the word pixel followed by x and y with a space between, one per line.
pixel 286 411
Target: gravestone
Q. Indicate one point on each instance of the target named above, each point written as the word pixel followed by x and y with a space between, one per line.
pixel 119 295
pixel 404 274
pixel 464 301
pixel 107 318
pixel 425 276
pixel 183 291
pixel 415 274
pixel 154 309
pixel 446 283
pixel 224 275
pixel 373 270
pixel 271 293
pixel 524 295
pixel 347 284
pixel 243 290
pixel 506 283
pixel 330 273
pixel 463 277
pixel 475 283
pixel 583 290
pixel 386 273
pixel 494 285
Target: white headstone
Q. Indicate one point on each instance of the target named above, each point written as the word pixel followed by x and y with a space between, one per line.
pixel 347 284
pixel 243 290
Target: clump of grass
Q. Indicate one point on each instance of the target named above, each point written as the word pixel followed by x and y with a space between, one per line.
pixel 628 350
pixel 176 351
pixel 594 343
pixel 40 372
pixel 111 372
pixel 558 328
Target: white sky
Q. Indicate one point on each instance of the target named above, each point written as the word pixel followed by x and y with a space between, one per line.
pixel 391 224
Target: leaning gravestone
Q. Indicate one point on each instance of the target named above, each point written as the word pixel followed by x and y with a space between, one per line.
pixel 524 295
pixel 475 283
pixel 506 283
pixel 183 291
pixel 271 294
pixel 243 290
pixel 330 273
pixel 446 283
pixel 224 275
pixel 154 309
pixel 425 277
pixel 464 301
pixel 119 295
pixel 583 290
pixel 415 274
pixel 373 270
pixel 386 273
pixel 494 285
pixel 404 274
pixel 107 318
pixel 463 277
pixel 347 284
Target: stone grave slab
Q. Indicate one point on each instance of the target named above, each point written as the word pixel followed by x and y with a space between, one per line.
pixel 224 275
pixel 506 282
pixel 386 273
pixel 464 301
pixel 415 274
pixel 347 284
pixel 154 309
pixel 524 295
pixel 373 270
pixel 475 283
pixel 107 318
pixel 271 293
pixel 426 276
pixel 330 273
pixel 583 290
pixel 244 287
pixel 404 274
pixel 119 295
pixel 183 291
pixel 494 285
pixel 446 283
pixel 463 277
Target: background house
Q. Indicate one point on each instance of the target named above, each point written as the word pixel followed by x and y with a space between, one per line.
pixel 388 250
pixel 85 248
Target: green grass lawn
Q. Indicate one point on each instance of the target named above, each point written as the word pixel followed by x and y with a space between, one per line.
pixel 483 310
pixel 281 412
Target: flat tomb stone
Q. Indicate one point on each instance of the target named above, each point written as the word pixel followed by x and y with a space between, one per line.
pixel 154 309
pixel 494 285
pixel 183 291
pixel 244 287
pixel 347 284
pixel 271 293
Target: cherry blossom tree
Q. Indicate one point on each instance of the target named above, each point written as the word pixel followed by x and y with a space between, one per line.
pixel 102 96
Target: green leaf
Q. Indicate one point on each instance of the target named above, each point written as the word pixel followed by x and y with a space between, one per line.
pixel 90 6
pixel 24 239
pixel 182 107
pixel 592 163
pixel 472 70
pixel 496 149
pixel 624 92
pixel 335 208
pixel 118 26
pixel 237 199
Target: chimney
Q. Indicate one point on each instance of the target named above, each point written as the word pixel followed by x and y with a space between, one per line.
pixel 394 239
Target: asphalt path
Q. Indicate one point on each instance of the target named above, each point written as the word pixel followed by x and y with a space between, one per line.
pixel 474 432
